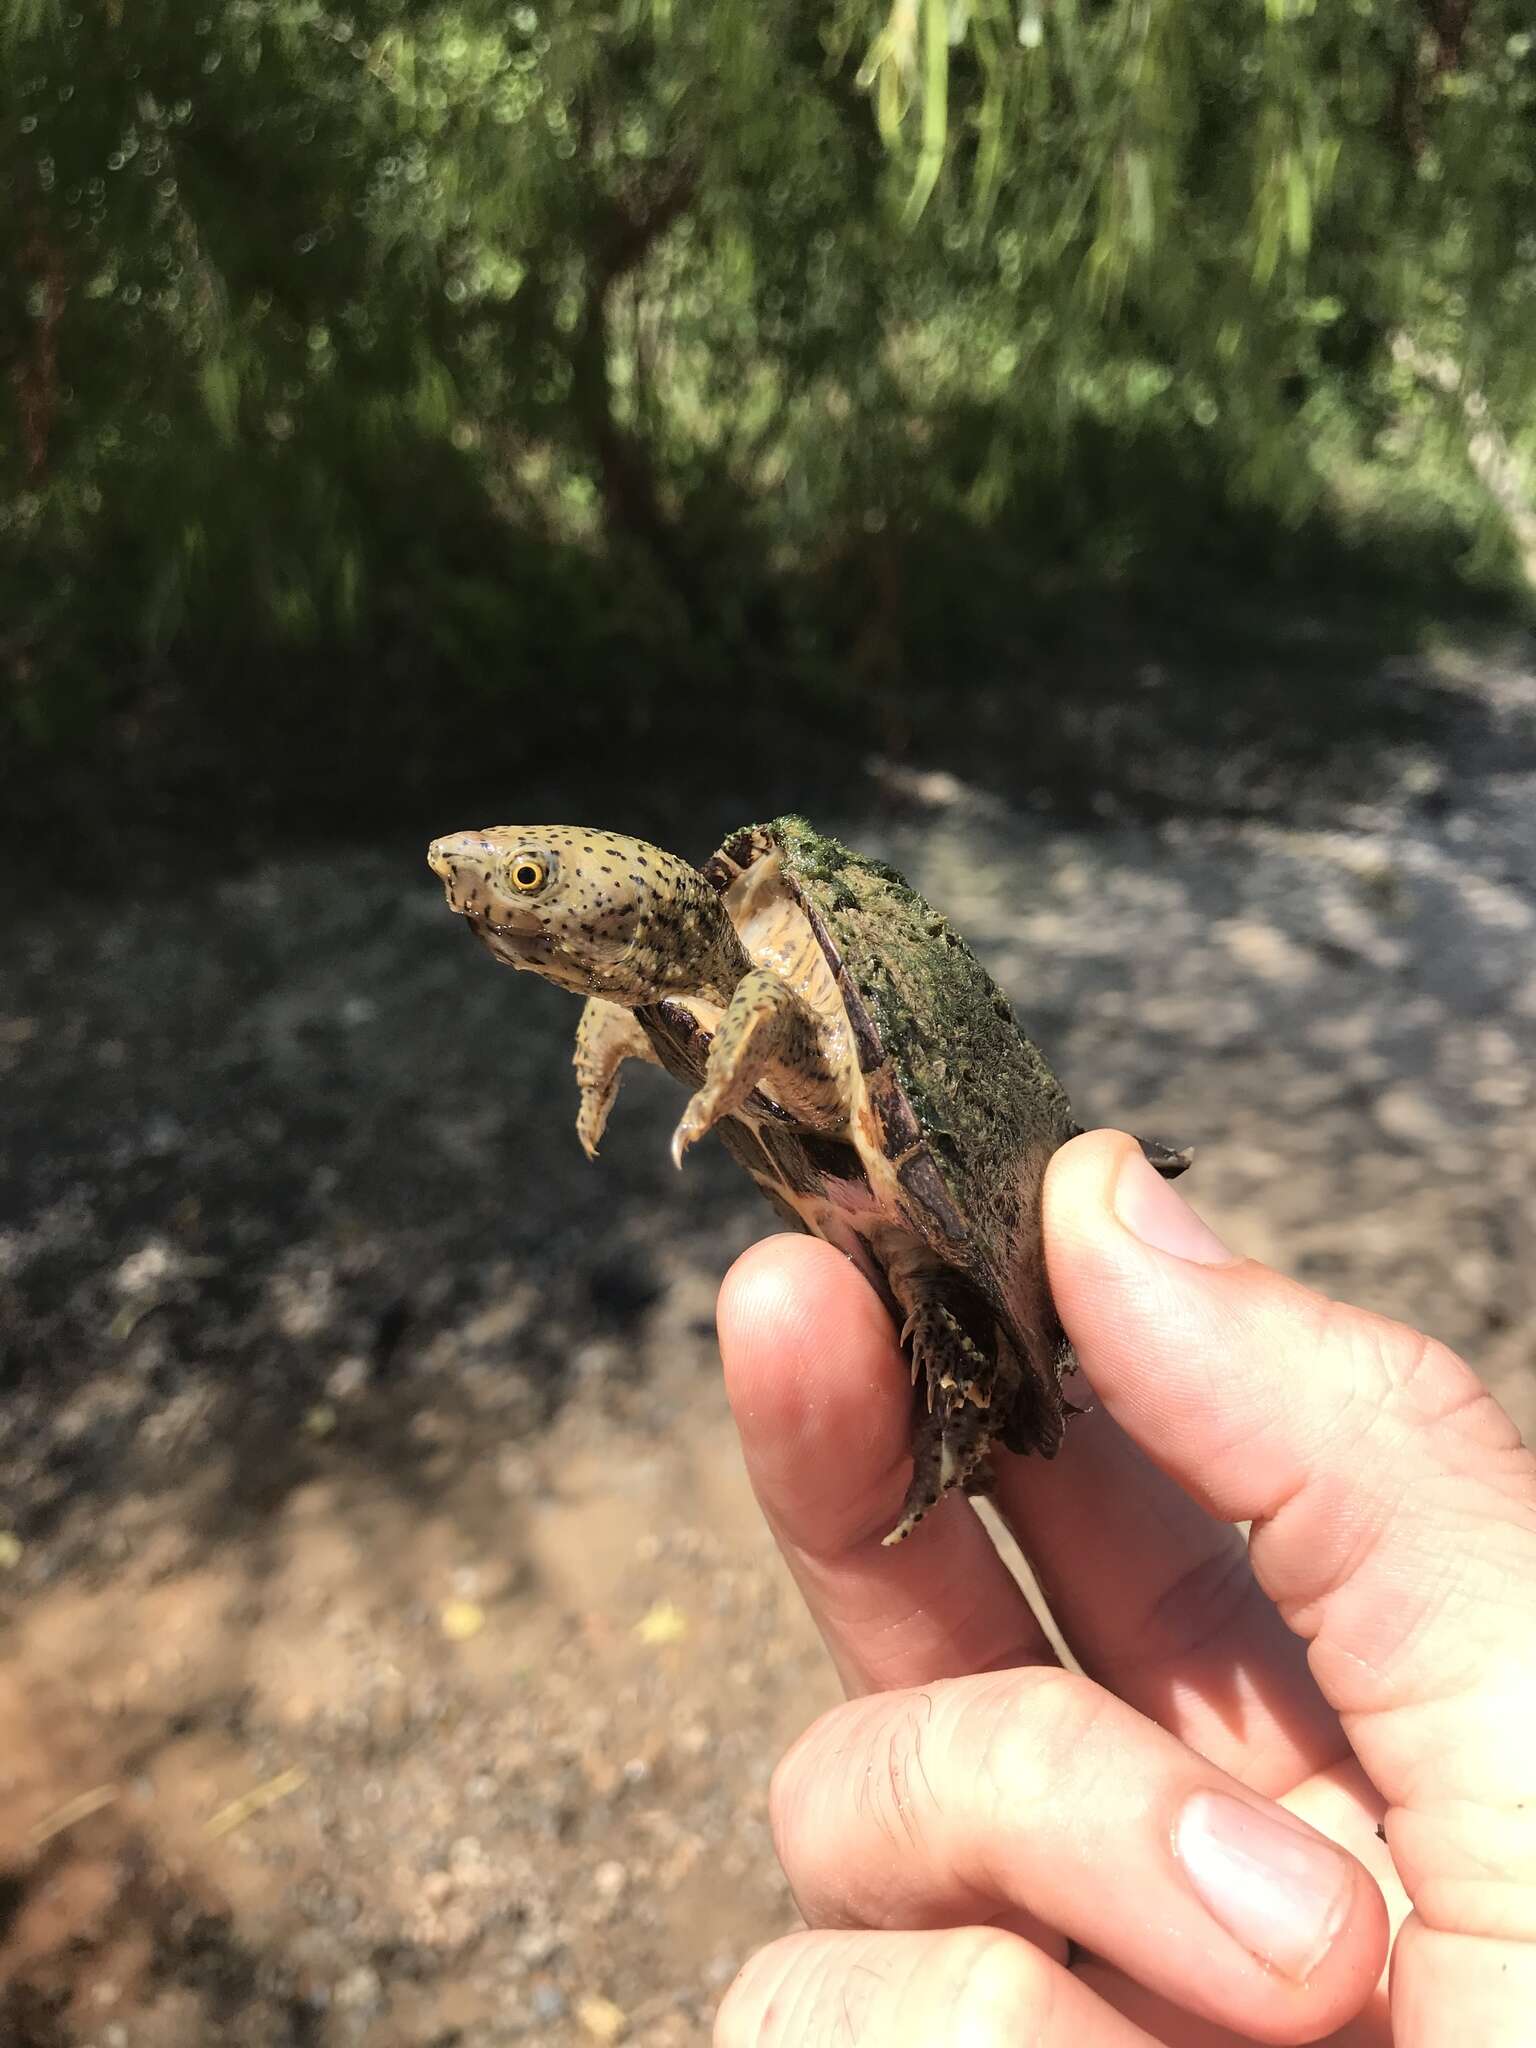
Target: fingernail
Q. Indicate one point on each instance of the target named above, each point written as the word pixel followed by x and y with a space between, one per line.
pixel 1151 1210
pixel 1280 1890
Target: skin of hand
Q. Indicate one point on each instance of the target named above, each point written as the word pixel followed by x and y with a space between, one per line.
pixel 1281 1758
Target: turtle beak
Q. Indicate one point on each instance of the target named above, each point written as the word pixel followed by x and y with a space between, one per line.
pixel 463 862
pixel 461 850
pixel 466 864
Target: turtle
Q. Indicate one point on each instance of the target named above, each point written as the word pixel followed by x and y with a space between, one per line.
pixel 856 1059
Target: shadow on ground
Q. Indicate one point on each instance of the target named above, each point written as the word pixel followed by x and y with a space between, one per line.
pixel 391 1654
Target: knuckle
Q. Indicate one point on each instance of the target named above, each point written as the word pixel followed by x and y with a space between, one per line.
pixel 898 1792
pixel 1030 1731
pixel 808 1991
pixel 824 1748
pixel 972 1987
pixel 752 2012
pixel 862 1764
pixel 940 1780
pixel 735 2026
pixel 995 1988
pixel 1430 1385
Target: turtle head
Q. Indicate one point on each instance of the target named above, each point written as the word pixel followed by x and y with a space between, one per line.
pixel 591 911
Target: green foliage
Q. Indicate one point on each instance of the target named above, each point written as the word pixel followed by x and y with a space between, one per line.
pixel 326 327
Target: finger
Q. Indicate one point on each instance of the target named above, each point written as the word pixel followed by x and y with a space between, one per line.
pixel 971 1984
pixel 1159 1602
pixel 1371 2027
pixel 1394 1514
pixel 823 1401
pixel 1036 1790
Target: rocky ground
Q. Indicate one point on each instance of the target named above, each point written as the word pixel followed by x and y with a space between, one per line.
pixel 390 1656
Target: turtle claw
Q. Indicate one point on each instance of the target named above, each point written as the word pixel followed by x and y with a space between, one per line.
pixel 590 1119
pixel 913 1351
pixel 695 1122
pixel 941 1350
pixel 951 1439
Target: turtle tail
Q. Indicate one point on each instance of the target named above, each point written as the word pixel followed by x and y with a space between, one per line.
pixel 1169 1160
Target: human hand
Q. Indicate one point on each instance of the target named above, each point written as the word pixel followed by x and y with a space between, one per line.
pixel 990 1849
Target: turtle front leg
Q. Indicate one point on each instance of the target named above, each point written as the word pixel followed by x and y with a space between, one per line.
pixel 767 1037
pixel 606 1037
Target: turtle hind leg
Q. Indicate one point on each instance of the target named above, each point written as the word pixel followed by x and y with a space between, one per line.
pixel 949 1449
pixel 948 1331
pixel 954 1372
pixel 606 1037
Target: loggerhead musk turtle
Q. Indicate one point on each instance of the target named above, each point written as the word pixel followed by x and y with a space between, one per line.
pixel 857 1060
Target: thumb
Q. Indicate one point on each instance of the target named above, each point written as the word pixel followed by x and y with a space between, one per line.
pixel 1394 1526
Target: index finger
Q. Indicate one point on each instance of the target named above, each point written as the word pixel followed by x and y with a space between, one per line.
pixel 823 1400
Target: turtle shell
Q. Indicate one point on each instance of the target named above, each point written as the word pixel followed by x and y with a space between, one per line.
pixel 954 1113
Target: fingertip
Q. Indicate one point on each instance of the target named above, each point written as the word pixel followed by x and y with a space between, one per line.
pixel 1085 1242
pixel 782 1304
pixel 1080 1190
pixel 810 1369
pixel 764 1286
pixel 1122 1246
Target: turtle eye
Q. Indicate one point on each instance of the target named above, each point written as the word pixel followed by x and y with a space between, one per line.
pixel 528 873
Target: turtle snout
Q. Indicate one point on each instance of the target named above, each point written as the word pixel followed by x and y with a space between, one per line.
pixel 465 862
pixel 460 850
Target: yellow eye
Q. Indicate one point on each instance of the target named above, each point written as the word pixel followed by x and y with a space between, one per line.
pixel 528 873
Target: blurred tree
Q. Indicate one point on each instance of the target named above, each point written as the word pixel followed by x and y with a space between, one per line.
pixel 314 318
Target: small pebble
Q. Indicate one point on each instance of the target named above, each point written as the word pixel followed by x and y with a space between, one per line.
pixel 603 2020
pixel 359 1990
pixel 664 1623
pixel 347 1378
pixel 461 1619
